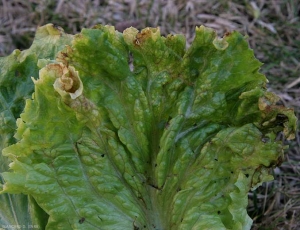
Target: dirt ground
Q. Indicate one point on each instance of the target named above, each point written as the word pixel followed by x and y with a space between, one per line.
pixel 273 29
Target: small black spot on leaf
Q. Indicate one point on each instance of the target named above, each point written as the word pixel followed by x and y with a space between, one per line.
pixel 265 139
pixel 82 219
pixel 17 73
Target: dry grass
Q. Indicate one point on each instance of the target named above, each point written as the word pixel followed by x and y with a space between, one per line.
pixel 273 27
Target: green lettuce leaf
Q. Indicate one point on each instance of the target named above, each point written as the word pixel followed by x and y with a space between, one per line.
pixel 173 139
pixel 16 85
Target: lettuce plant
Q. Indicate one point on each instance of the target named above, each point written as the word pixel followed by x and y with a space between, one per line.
pixel 109 130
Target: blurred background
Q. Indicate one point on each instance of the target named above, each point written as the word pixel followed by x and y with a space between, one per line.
pixel 273 31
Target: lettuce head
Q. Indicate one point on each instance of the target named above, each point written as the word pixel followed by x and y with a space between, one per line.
pixel 113 131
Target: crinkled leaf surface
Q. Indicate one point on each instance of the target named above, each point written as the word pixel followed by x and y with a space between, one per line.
pixel 16 85
pixel 173 141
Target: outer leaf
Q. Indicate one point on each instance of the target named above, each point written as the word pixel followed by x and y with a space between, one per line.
pixel 162 145
pixel 16 85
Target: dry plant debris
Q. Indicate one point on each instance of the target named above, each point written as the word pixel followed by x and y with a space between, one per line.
pixel 273 30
